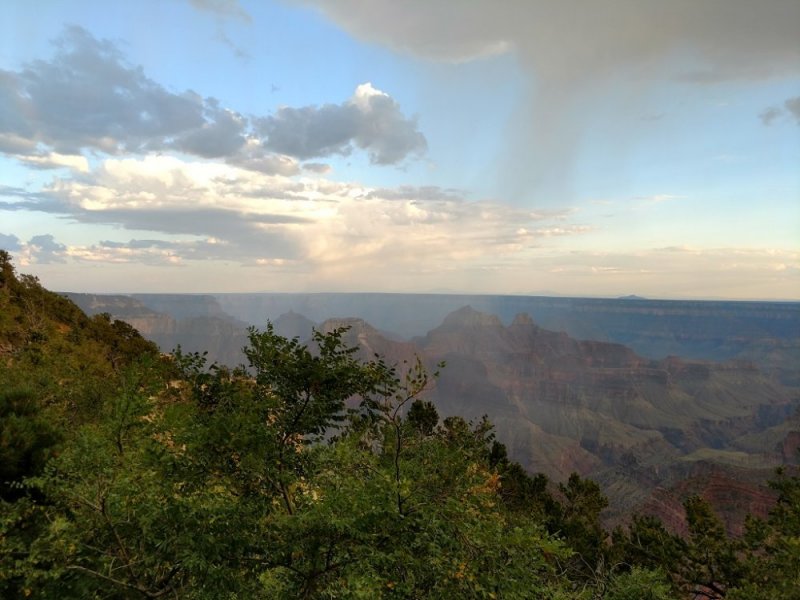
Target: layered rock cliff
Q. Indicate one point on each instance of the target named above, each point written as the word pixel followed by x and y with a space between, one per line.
pixel 651 428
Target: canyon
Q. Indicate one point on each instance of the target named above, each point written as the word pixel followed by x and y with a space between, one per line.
pixel 655 400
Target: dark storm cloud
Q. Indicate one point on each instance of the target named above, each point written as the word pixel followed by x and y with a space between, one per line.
pixel 370 120
pixel 570 50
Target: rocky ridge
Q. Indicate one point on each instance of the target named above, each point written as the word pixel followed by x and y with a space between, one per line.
pixel 650 430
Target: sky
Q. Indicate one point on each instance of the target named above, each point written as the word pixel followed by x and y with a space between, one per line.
pixel 535 147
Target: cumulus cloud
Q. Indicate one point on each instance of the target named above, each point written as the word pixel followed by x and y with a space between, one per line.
pixel 224 212
pixel 370 120
pixel 315 167
pixel 54 160
pixel 9 242
pixel 40 249
pixel 254 157
pixel 88 97
pixel 222 133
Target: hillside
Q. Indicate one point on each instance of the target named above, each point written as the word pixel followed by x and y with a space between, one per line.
pixel 764 333
pixel 56 367
pixel 317 473
pixel 646 429
pixel 642 426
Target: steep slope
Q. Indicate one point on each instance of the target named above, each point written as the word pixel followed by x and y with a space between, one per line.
pixel 638 425
pixel 650 430
pixel 293 325
pixel 195 323
pixel 766 333
pixel 372 342
pixel 58 368
pixel 601 395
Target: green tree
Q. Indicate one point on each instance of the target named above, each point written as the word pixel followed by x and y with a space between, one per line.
pixel 639 584
pixel 710 565
pixel 771 548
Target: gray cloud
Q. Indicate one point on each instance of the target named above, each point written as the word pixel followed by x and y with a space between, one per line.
pixel 9 242
pixel 221 133
pixel 243 233
pixel 224 224
pixel 265 162
pixel 571 48
pixel 790 108
pixel 237 50
pixel 45 249
pixel 426 193
pixel 310 131
pixel 12 143
pixel 768 115
pixel 370 120
pixel 27 200
pixel 316 167
pixel 223 8
pixel 572 39
pixel 793 107
pixel 89 97
pixel 238 232
pixel 137 244
pixel 165 252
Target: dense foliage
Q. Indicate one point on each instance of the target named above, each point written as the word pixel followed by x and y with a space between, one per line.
pixel 306 474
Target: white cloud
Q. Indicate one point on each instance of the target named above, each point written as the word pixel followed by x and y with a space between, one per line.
pixel 305 222
pixel 40 249
pixel 54 160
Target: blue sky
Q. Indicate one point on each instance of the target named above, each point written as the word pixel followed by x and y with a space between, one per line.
pixel 332 145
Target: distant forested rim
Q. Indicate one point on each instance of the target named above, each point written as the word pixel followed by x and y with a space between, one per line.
pixel 125 473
